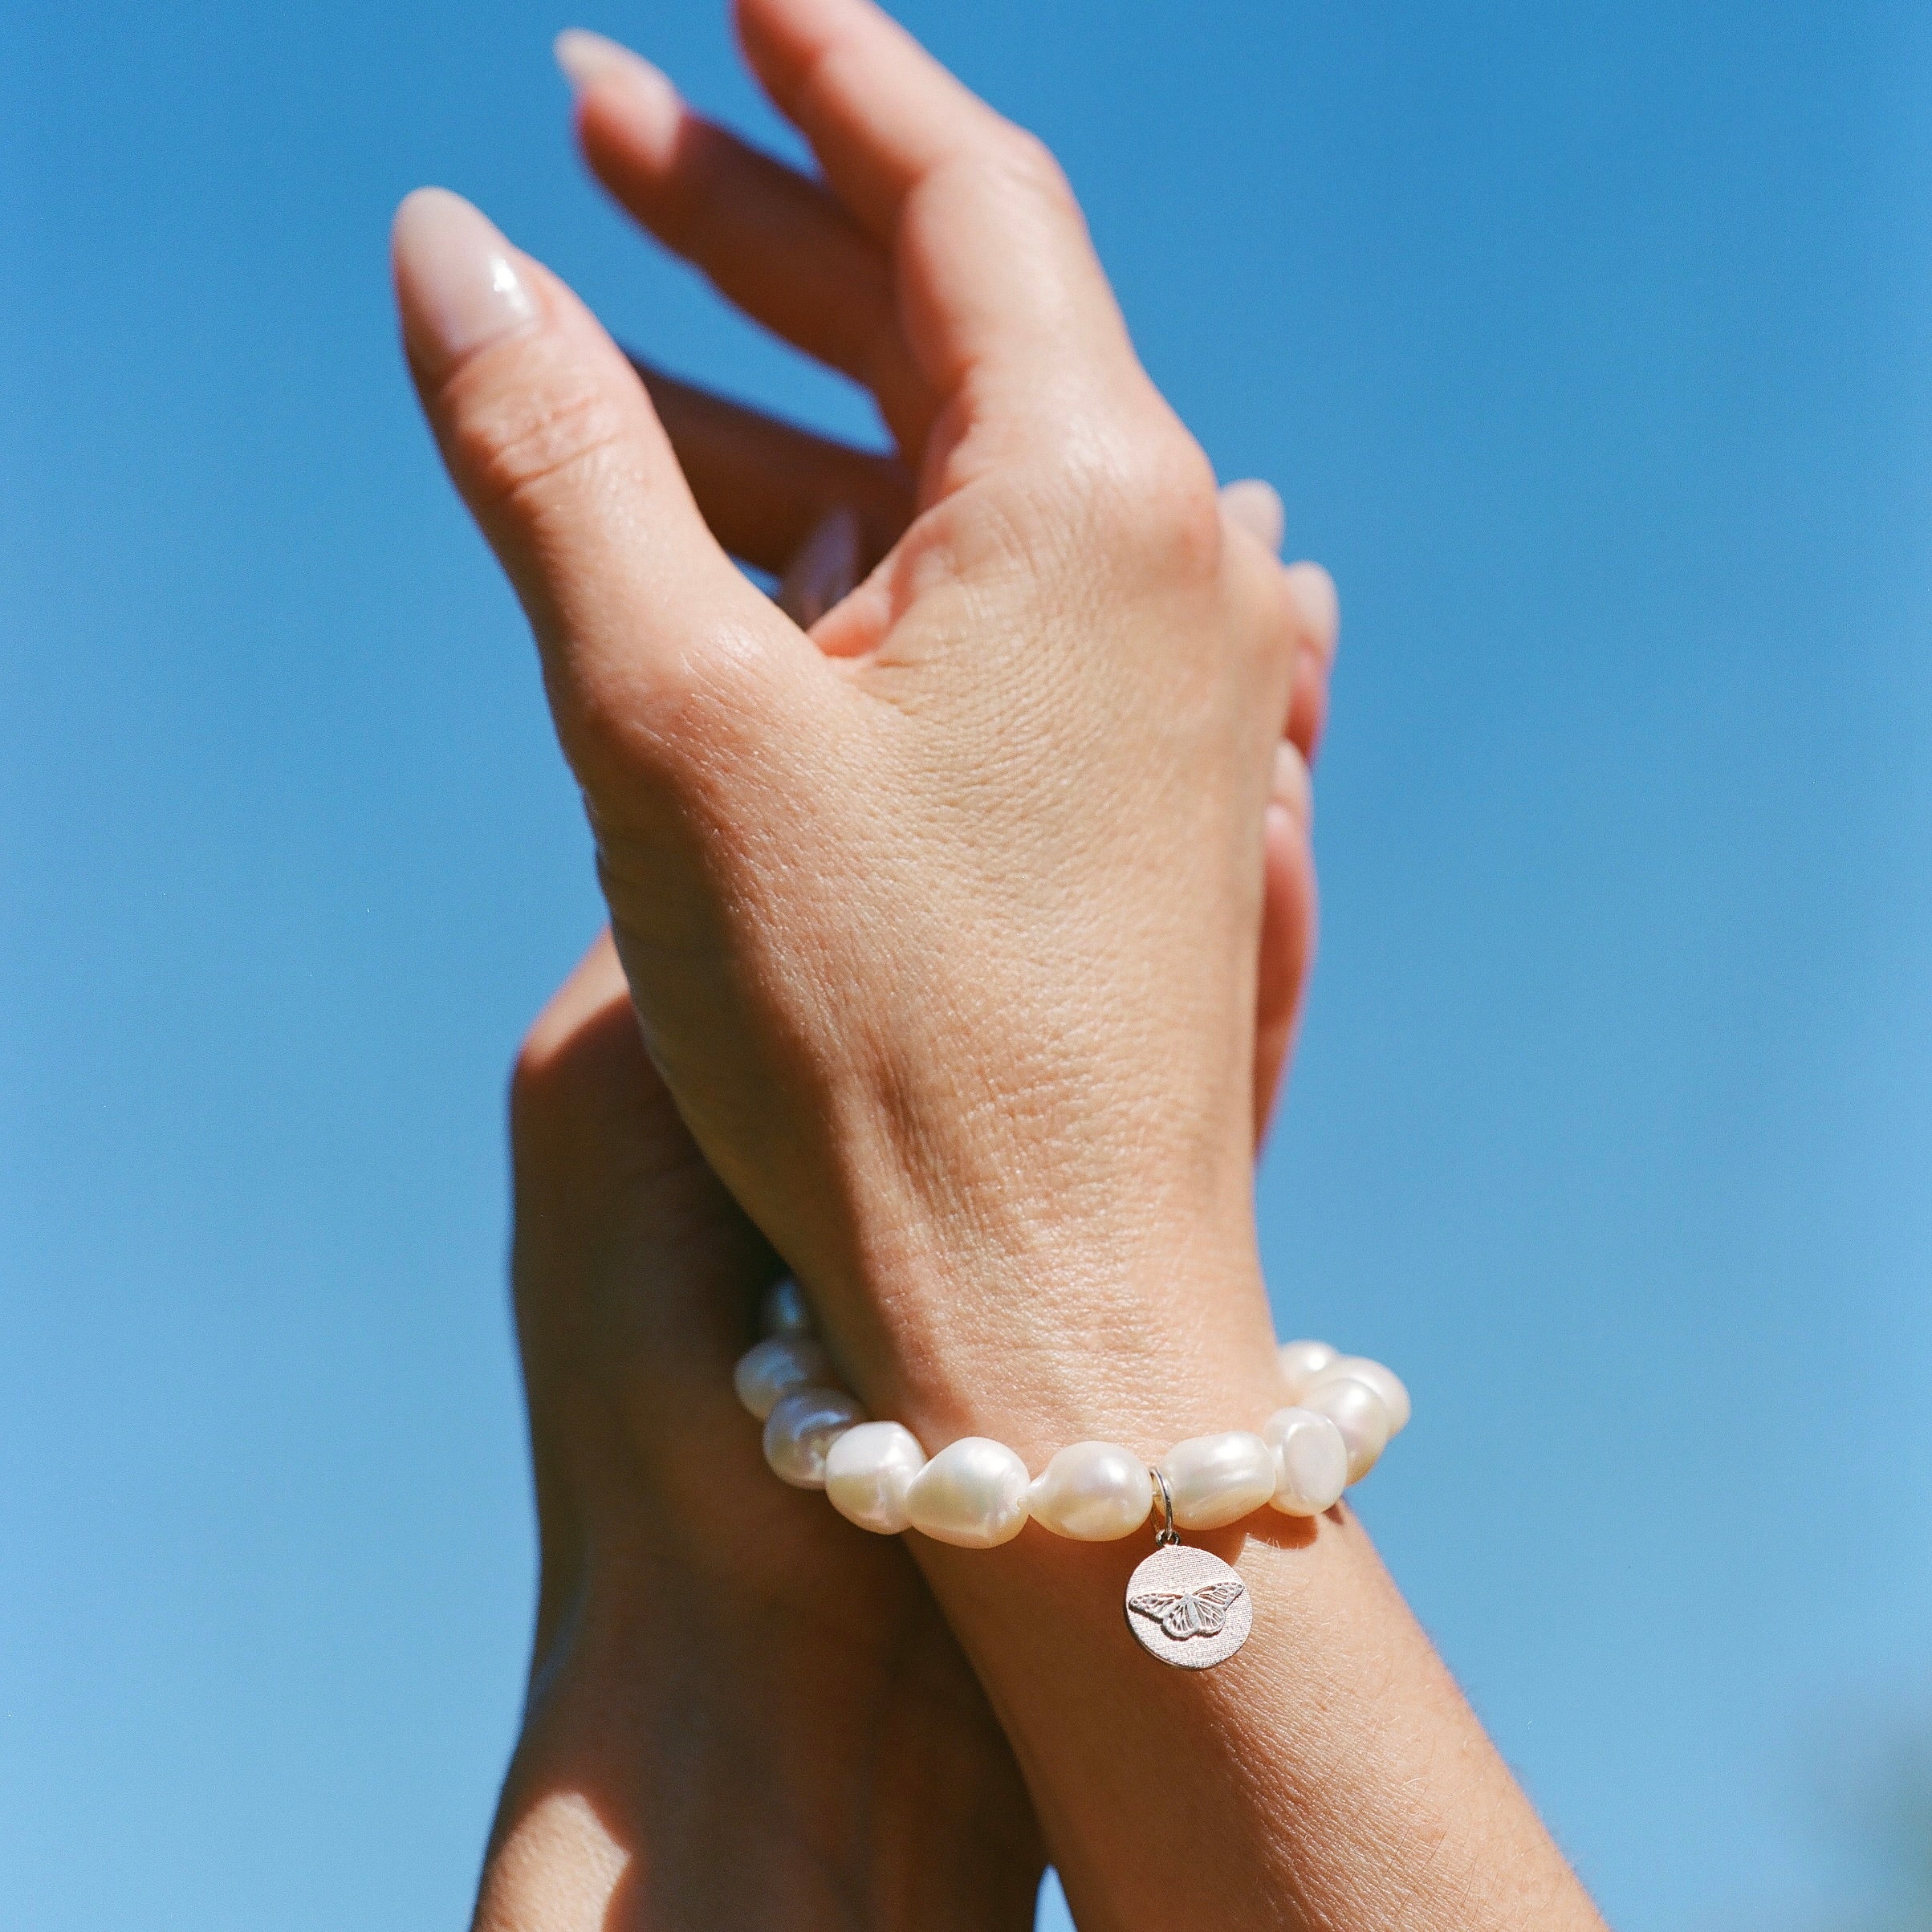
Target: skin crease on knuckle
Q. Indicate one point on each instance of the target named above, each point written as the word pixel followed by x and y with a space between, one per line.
pixel 1268 620
pixel 1134 494
pixel 1026 161
pixel 520 416
pixel 697 760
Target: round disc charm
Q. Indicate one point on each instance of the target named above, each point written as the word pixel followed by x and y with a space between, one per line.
pixel 1189 1608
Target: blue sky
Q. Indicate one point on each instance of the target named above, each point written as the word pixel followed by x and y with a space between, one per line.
pixel 1588 345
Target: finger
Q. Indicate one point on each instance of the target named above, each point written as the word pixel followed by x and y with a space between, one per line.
pixel 764 486
pixel 880 113
pixel 824 572
pixel 774 243
pixel 1287 927
pixel 1254 507
pixel 995 266
pixel 1313 591
pixel 596 984
pixel 553 443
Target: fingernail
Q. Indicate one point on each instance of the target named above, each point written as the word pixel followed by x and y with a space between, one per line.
pixel 589 60
pixel 1314 592
pixel 824 572
pixel 1290 788
pixel 1256 507
pixel 456 279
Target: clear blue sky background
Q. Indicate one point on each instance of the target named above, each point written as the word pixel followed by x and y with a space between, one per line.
pixel 1587 343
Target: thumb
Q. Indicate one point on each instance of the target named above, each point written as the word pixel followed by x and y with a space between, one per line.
pixel 649 632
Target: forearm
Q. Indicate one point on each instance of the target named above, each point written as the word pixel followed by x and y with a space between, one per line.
pixel 1329 1775
pixel 679 1770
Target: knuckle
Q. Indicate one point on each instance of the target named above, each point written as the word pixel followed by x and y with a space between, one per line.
pixel 1269 632
pixel 524 441
pixel 1283 633
pixel 544 1076
pixel 657 751
pixel 1269 618
pixel 1317 607
pixel 1181 494
pixel 1263 602
pixel 1264 622
pixel 573 1077
pixel 1154 497
pixel 1028 164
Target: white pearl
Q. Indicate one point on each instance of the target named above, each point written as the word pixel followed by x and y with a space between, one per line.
pixel 771 1368
pixel 1311 1461
pixel 1358 1412
pixel 1385 1383
pixel 867 1473
pixel 1092 1492
pixel 784 1311
pixel 972 1493
pixel 1300 1363
pixel 802 1428
pixel 1215 1480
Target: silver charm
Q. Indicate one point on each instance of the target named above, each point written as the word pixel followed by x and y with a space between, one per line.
pixel 1185 1605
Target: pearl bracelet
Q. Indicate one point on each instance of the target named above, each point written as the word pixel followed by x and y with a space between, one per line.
pixel 1341 1413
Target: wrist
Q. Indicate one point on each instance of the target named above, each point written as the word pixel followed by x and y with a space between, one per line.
pixel 1142 1336
pixel 757 1764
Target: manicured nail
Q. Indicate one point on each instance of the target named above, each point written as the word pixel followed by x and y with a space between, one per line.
pixel 1314 590
pixel 457 282
pixel 588 60
pixel 1256 507
pixel 1292 787
pixel 824 572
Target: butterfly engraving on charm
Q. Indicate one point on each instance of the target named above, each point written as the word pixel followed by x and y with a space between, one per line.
pixel 1184 1613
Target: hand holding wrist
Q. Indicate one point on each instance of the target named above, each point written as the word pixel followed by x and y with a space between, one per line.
pixel 741 1711
pixel 786 1770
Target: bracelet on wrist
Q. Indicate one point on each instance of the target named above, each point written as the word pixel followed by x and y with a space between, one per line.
pixel 1340 1414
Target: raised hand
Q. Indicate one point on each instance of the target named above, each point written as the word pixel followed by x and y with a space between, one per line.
pixel 943 922
pixel 857 877
pixel 773 495
pixel 742 1710
pixel 812 1748
pixel 782 249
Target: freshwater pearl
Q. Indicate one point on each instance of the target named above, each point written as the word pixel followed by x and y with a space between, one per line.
pixel 784 1311
pixel 1385 1383
pixel 802 1428
pixel 1360 1413
pixel 771 1369
pixel 1092 1492
pixel 1215 1480
pixel 1300 1363
pixel 972 1493
pixel 1311 1461
pixel 867 1473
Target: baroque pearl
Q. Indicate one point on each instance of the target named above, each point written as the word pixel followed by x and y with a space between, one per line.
pixel 1385 1383
pixel 1092 1492
pixel 784 1311
pixel 1300 1363
pixel 802 1428
pixel 1311 1461
pixel 1358 1412
pixel 1218 1479
pixel 867 1470
pixel 771 1368
pixel 972 1493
